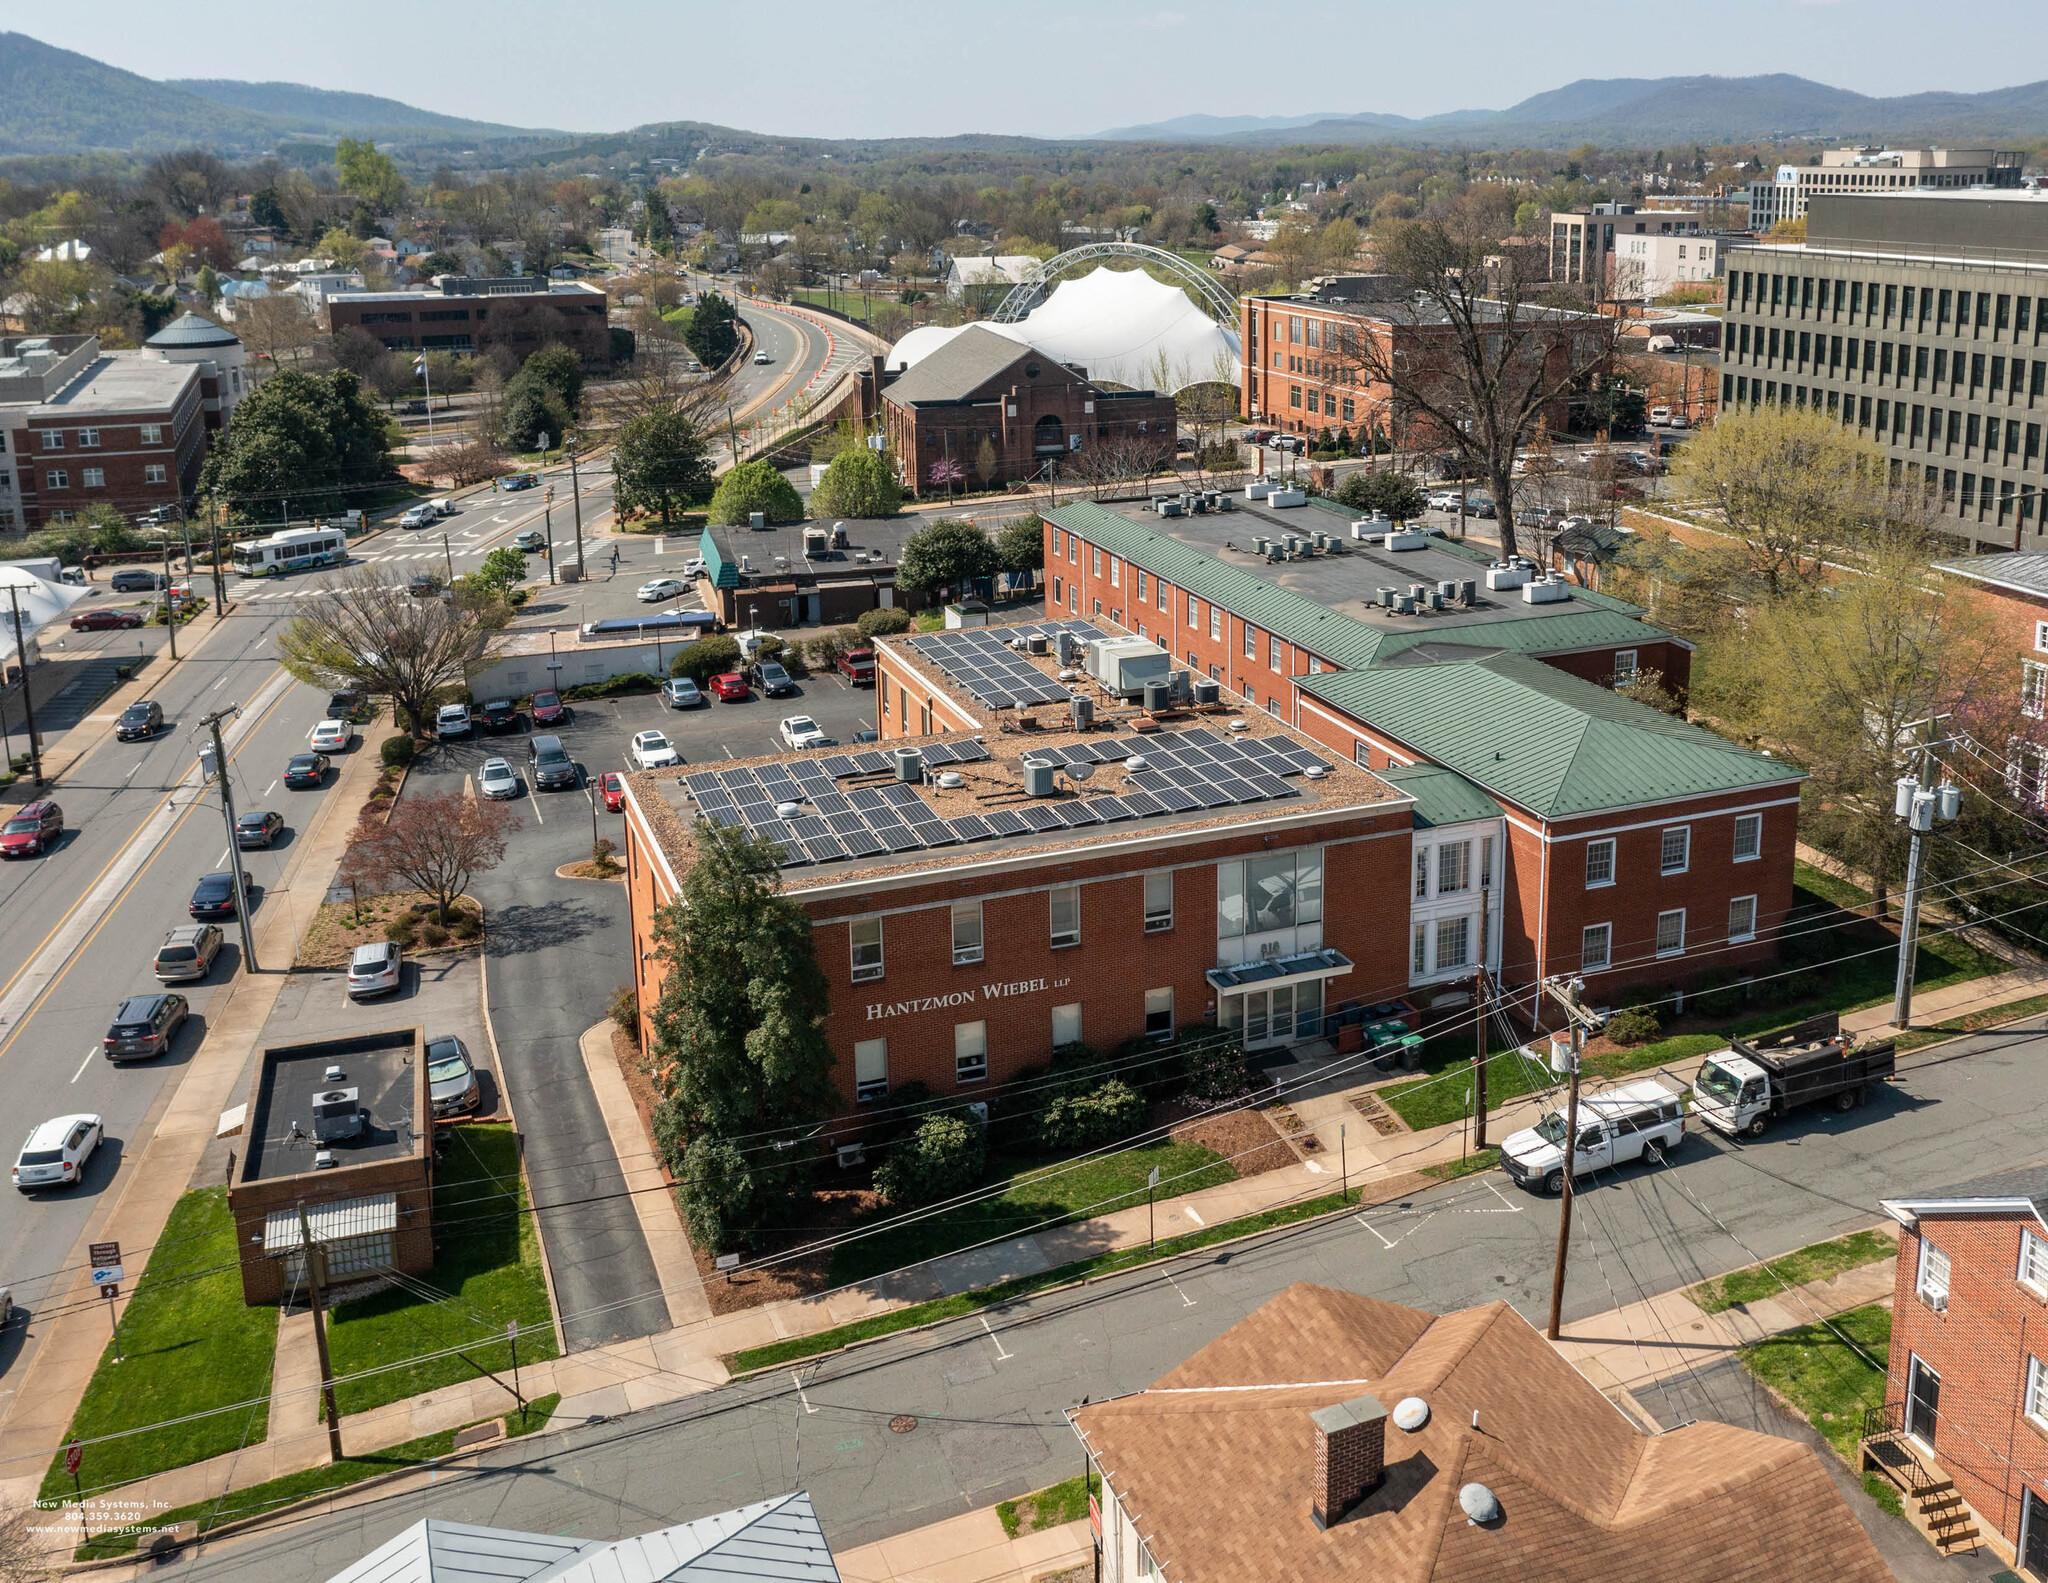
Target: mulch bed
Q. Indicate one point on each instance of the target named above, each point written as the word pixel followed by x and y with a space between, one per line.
pixel 334 933
pixel 1243 1136
pixel 588 870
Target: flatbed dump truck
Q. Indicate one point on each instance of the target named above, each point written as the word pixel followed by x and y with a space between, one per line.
pixel 1748 1086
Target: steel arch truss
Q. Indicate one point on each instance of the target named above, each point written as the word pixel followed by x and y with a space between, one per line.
pixel 1028 292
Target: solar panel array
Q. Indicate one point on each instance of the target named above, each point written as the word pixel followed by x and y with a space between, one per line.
pixel 1187 771
pixel 994 673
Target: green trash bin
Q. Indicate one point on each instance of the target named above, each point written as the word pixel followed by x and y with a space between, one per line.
pixel 1410 1046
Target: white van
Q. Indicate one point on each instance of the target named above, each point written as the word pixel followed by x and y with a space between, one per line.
pixel 1660 414
pixel 444 507
pixel 1642 1120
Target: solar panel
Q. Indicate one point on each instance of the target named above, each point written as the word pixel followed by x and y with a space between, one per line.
pixel 773 830
pixel 758 815
pixel 1147 780
pixel 865 797
pixel 1074 814
pixel 969 752
pixel 1083 753
pixel 734 778
pixel 846 824
pixel 714 799
pixel 898 838
pixel 1142 804
pixel 1236 790
pixel 1006 821
pixel 862 843
pixel 901 795
pixel 933 832
pixel 829 802
pixel 729 817
pixel 1040 817
pixel 1111 752
pixel 1174 800
pixel 837 765
pixel 971 827
pixel 823 849
pixel 936 752
pixel 808 829
pixel 1109 809
pixel 869 763
pixel 810 772
pixel 703 781
pixel 1270 785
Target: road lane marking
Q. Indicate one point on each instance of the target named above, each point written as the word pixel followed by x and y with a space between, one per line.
pixel 82 1065
pixel 800 1390
pixel 1001 1355
pixel 1375 1230
pixel 270 788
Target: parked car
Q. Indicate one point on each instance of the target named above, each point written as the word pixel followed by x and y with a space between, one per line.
pixel 1660 414
pixel 214 895
pixel 135 580
pixel 306 771
pixel 258 828
pixel 34 828
pixel 452 1088
pixel 418 517
pixel 188 952
pixel 452 721
pixel 500 714
pixel 104 620
pixel 1479 506
pixel 144 1027
pixel 374 969
pixel 730 687
pixel 771 678
pixel 857 666
pixel 533 541
pixel 139 722
pixel 56 1152
pixel 660 588
pixel 1678 420
pixel 1287 442
pixel 550 764
pixel 651 751
pixel 497 780
pixel 801 731
pixel 518 481
pixel 343 703
pixel 1642 1120
pixel 611 786
pixel 679 692
pixel 444 507
pixel 332 736
pixel 549 710
pixel 693 568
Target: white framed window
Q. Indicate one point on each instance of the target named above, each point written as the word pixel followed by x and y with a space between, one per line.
pixel 1159 1014
pixel 1421 873
pixel 1116 572
pixel 1930 1282
pixel 866 936
pixel 94 477
pixel 1742 918
pixel 1486 862
pixel 152 434
pixel 1216 623
pixel 53 439
pixel 966 932
pixel 1066 915
pixel 1159 901
pixel 2037 1391
pixel 88 439
pixel 1749 837
pixel 1141 586
pixel 2041 637
pixel 1453 942
pixel 2033 689
pixel 1675 855
pixel 1671 932
pixel 1596 942
pixel 1272 652
pixel 1453 867
pixel 1066 1024
pixel 1160 584
pixel 1194 611
pixel 1095 559
pixel 57 478
pixel 2034 1262
pixel 1251 641
pixel 1418 963
pixel 1599 863
pixel 1624 666
pixel 155 473
pixel 970 1052
pixel 1315 666
pixel 1073 549
pixel 870 1069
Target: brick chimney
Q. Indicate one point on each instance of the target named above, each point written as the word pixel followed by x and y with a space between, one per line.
pixel 1351 1456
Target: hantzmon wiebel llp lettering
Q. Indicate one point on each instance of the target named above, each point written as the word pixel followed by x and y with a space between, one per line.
pixel 963 997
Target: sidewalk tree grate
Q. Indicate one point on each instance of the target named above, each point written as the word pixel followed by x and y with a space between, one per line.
pixel 902 1424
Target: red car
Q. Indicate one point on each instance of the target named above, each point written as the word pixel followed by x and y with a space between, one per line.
pixel 729 688
pixel 32 830
pixel 548 709
pixel 612 786
pixel 104 620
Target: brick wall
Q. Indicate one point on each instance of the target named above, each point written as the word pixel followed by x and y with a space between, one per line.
pixel 136 474
pixel 412 1180
pixel 1979 1346
pixel 907 705
pixel 523 323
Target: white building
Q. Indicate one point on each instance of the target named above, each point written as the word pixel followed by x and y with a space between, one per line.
pixel 1006 269
pixel 1873 170
pixel 1455 891
pixel 1646 267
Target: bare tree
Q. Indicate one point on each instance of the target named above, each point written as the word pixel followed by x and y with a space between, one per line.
pixel 24 1557
pixel 278 329
pixel 434 843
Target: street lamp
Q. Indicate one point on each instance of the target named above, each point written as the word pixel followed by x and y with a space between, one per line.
pixel 1918 806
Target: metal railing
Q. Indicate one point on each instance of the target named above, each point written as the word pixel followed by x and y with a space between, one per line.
pixel 1885 1443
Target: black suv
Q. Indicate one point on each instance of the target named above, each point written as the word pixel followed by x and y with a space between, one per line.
pixel 771 678
pixel 500 714
pixel 140 722
pixel 145 1026
pixel 214 896
pixel 553 769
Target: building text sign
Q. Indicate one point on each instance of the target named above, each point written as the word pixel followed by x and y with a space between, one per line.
pixel 878 1010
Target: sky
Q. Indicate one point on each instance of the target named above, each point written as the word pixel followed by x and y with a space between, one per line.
pixel 1057 68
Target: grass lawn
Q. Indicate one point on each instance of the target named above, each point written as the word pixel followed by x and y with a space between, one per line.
pixel 1826 886
pixel 1439 1098
pixel 1471 1165
pixel 1064 1502
pixel 1815 1263
pixel 1832 1382
pixel 487 1268
pixel 849 303
pixel 1063 1189
pixel 273 1493
pixel 190 1344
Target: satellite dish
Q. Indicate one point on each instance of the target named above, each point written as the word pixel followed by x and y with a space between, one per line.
pixel 1078 772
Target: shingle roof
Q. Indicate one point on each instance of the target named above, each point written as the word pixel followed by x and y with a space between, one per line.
pixel 1215 1464
pixel 1541 739
pixel 958 369
pixel 1441 796
pixel 2029 1184
pixel 2025 574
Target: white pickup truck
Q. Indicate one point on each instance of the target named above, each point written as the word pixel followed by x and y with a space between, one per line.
pixel 1638 1121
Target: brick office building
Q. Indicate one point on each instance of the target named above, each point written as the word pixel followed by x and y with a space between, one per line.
pixel 521 313
pixel 1965 1422
pixel 966 930
pixel 2013 591
pixel 1639 848
pixel 999 411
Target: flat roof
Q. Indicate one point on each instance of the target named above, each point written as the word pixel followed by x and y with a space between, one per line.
pixel 540 288
pixel 1204 770
pixel 379 1066
pixel 117 382
pixel 874 544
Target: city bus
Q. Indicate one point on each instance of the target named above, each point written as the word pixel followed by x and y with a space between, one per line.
pixel 293 550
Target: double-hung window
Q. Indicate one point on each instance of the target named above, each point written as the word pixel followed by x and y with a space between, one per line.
pixel 1251 641
pixel 966 932
pixel 1675 856
pixel 2037 1391
pixel 1216 623
pixel 1671 932
pixel 1453 867
pixel 866 934
pixel 1749 837
pixel 1931 1281
pixel 1599 863
pixel 1742 918
pixel 1595 946
pixel 2034 1262
pixel 1066 915
pixel 870 1069
pixel 2033 689
pixel 970 1052
pixel 1159 901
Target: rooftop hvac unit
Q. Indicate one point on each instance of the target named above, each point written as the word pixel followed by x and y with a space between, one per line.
pixel 1436 600
pixel 1179 680
pixel 1125 665
pixel 1546 591
pixel 1258 489
pixel 1082 709
pixel 1387 598
pixel 1068 646
pixel 1207 690
pixel 1037 778
pixel 1280 499
pixel 851 1154
pixel 909 764
pixel 1468 593
pixel 1503 576
pixel 757 520
pixel 323 1160
pixel 333 1075
pixel 1035 643
pixel 1448 589
pixel 1407 539
pixel 816 541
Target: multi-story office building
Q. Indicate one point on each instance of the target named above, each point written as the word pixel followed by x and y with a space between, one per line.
pixel 1583 242
pixel 1919 319
pixel 1860 171
pixel 522 312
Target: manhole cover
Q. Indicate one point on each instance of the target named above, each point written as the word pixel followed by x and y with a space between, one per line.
pixel 902 1424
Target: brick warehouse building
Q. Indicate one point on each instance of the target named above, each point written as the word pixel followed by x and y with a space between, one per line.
pixel 965 931
pixel 1639 848
pixel 1964 1427
pixel 520 312
pixel 1001 411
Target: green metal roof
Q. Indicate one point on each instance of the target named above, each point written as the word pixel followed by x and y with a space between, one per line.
pixel 1441 796
pixel 719 565
pixel 1550 634
pixel 1545 741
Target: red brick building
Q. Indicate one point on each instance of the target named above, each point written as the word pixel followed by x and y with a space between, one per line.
pixel 522 313
pixel 998 411
pixel 2013 591
pixel 1964 1428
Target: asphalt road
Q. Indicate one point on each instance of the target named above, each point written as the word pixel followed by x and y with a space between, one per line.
pixel 988 1392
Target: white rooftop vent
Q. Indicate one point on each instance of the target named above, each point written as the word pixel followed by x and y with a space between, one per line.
pixel 1411 1413
pixel 324 1160
pixel 1315 772
pixel 1135 763
pixel 1240 725
pixel 951 780
pixel 1480 1504
pixel 333 1096
pixel 789 810
pixel 333 1075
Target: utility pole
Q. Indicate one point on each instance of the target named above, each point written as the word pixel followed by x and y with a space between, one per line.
pixel 448 557
pixel 1567 995
pixel 227 810
pixel 548 526
pixel 28 703
pixel 170 610
pixel 576 496
pixel 316 1284
pixel 220 586
pixel 1918 806
pixel 1482 1004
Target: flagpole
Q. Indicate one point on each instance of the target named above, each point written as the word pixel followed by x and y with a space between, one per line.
pixel 427 374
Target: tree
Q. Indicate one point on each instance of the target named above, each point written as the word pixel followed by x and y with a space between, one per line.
pixel 503 570
pixel 371 176
pixel 469 464
pixel 714 334
pixel 25 1556
pixel 882 622
pixel 530 411
pixel 308 437
pixel 1396 494
pixel 1020 545
pixel 944 554
pixel 267 210
pixel 858 483
pixel 661 463
pixel 368 632
pixel 276 329
pixel 711 655
pixel 751 487
pixel 433 842
pixel 560 373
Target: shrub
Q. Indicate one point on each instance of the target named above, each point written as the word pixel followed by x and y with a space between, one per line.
pixel 1214 1062
pixel 708 657
pixel 1634 1025
pixel 624 1012
pixel 400 930
pixel 612 687
pixel 944 1156
pixel 879 623
pixel 1080 1121
pixel 396 752
pixel 433 934
pixel 1398 495
pixel 601 851
pixel 465 924
pixel 751 487
pixel 858 483
pixel 826 647
pixel 717 1191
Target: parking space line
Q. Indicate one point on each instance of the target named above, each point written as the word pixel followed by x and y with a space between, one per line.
pixel 270 788
pixel 82 1065
pixel 1375 1230
pixel 1513 1209
pixel 1001 1355
pixel 533 791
